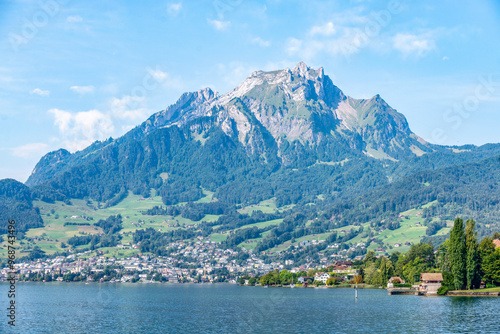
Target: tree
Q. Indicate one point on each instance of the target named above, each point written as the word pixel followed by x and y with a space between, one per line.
pixel 472 255
pixel 243 278
pixel 413 269
pixel 373 275
pixel 424 251
pixel 457 252
pixel 377 278
pixel 386 269
pixel 285 277
pixel 271 278
pixel 486 247
pixel 400 264
pixel 358 279
pixel 394 257
pixel 369 258
pixel 311 272
pixel 36 253
pixel 491 267
pixel 331 281
pixel 443 257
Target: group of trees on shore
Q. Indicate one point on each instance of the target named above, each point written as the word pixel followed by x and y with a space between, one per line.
pixel 467 262
pixel 463 261
pixel 377 271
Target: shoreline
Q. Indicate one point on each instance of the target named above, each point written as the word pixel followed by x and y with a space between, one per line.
pixel 473 293
pixel 463 293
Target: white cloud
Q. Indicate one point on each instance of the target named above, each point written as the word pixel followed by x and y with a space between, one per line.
pixel 174 8
pixel 344 34
pixel 445 58
pixel 158 75
pixel 259 41
pixel 325 30
pixel 219 25
pixel 30 150
pixel 306 49
pixel 74 19
pixel 352 40
pixel 82 89
pixel 134 105
pixel 409 44
pixel 83 128
pixel 128 107
pixel 343 40
pixel 40 92
pixel 62 119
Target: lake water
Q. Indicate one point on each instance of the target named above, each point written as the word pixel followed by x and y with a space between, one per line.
pixel 224 308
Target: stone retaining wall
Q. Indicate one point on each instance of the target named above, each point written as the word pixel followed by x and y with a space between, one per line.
pixel 474 293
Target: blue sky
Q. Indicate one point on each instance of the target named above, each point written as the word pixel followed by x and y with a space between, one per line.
pixel 72 72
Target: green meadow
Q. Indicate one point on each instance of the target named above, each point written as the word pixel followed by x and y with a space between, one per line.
pixel 61 224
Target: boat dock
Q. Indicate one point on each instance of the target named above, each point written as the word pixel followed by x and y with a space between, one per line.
pixel 401 291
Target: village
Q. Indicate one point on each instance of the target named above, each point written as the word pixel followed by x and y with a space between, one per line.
pixel 195 262
pixel 203 261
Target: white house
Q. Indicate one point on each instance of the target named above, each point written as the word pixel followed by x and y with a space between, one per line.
pixel 322 277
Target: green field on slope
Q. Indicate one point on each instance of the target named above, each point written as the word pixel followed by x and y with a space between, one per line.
pixel 60 224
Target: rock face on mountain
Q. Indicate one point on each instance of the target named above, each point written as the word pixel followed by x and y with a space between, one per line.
pixel 272 121
pixel 296 104
pixel 50 164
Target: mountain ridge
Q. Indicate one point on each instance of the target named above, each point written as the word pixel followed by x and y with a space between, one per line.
pixel 292 104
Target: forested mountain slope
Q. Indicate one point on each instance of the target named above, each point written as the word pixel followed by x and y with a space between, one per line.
pixel 288 136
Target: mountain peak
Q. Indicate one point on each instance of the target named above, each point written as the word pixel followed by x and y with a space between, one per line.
pixel 299 104
pixel 301 68
pixel 268 114
pixel 206 93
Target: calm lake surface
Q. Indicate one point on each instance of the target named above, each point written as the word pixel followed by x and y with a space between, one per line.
pixel 225 308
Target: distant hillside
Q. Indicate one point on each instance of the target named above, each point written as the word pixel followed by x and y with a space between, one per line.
pixel 470 190
pixel 15 204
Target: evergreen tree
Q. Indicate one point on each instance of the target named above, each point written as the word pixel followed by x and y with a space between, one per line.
pixel 472 255
pixel 457 252
pixel 486 248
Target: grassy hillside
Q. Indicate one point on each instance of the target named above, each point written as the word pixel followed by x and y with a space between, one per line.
pixel 63 221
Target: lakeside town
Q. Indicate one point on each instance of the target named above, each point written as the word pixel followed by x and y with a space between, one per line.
pixel 202 261
pixel 196 262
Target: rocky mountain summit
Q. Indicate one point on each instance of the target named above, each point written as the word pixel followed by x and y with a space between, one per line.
pixel 296 104
pixel 267 114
